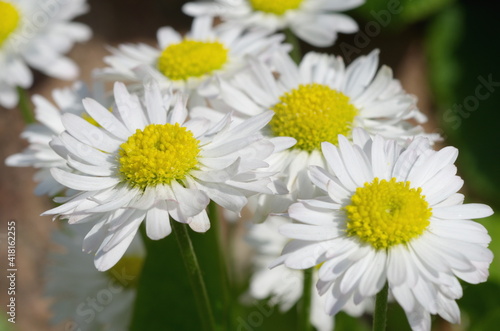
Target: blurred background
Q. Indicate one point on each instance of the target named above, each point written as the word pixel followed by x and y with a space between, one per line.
pixel 445 52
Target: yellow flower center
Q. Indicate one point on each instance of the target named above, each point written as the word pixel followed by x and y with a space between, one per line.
pixel 191 58
pixel 9 20
pixel 278 7
pixel 127 271
pixel 158 154
pixel 387 213
pixel 312 114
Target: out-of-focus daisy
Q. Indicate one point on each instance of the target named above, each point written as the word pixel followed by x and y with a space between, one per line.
pixel 39 154
pixel 284 286
pixel 188 63
pixel 77 288
pixel 153 163
pixel 315 21
pixel 37 33
pixel 391 214
pixel 315 102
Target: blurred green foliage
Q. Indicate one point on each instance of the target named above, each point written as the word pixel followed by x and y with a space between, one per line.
pixel 409 11
pixel 4 324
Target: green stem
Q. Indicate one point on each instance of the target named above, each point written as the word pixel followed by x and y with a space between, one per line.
pixel 24 105
pixel 295 53
pixel 215 223
pixel 194 274
pixel 305 307
pixel 380 315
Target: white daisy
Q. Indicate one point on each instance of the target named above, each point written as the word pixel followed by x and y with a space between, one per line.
pixel 391 214
pixel 284 286
pixel 87 299
pixel 315 102
pixel 37 33
pixel 153 163
pixel 39 154
pixel 315 21
pixel 188 63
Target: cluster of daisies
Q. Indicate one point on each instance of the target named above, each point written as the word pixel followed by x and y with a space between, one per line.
pixel 329 158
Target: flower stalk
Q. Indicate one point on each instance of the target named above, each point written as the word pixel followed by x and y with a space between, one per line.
pixel 215 232
pixel 24 106
pixel 295 53
pixel 194 275
pixel 305 307
pixel 380 314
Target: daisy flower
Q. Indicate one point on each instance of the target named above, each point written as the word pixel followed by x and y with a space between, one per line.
pixel 315 21
pixel 390 214
pixel 72 282
pixel 37 33
pixel 188 63
pixel 152 163
pixel 315 102
pixel 39 154
pixel 284 286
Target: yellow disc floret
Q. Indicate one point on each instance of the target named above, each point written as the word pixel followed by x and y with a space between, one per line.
pixel 277 7
pixel 387 213
pixel 312 114
pixel 129 265
pixel 191 58
pixel 158 154
pixel 9 20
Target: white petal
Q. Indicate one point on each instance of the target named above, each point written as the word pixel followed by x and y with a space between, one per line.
pixel 352 276
pixel 396 268
pixel 154 104
pixel 307 256
pixel 90 169
pixel 81 151
pixel 167 36
pixel 404 297
pixel 337 5
pixel 359 74
pixel 374 278
pixel 224 195
pixel 158 221
pixel 200 223
pixel 307 232
pixel 467 211
pixel 129 109
pixel 89 134
pixel 448 309
pixel 334 160
pixel 419 319
pixel 105 260
pixel 102 116
pixel 309 215
pixel 432 165
pixel 463 230
pixel 189 202
pixel 83 183
pixel 426 295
